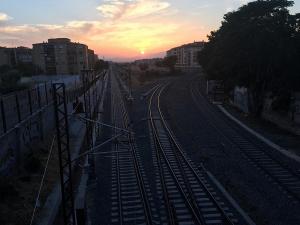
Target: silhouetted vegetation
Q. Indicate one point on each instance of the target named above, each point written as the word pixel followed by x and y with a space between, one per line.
pixel 101 65
pixel 144 66
pixel 257 46
pixel 9 81
pixel 169 61
pixel 24 69
pixel 28 69
pixel 10 76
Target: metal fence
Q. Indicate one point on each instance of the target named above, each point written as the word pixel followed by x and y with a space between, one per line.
pixel 18 106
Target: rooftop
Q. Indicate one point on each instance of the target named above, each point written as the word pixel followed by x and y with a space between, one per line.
pixel 194 44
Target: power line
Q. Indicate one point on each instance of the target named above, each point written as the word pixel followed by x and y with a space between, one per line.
pixel 42 181
pixel 104 124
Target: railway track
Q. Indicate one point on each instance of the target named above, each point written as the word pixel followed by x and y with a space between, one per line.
pixel 188 197
pixel 258 154
pixel 131 201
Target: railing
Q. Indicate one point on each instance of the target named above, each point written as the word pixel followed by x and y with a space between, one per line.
pixel 19 106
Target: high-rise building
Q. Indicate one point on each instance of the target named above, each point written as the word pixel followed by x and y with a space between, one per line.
pixel 62 48
pixel 61 56
pixel 4 57
pixel 22 55
pixel 187 55
pixel 43 56
pixel 82 56
pixel 92 59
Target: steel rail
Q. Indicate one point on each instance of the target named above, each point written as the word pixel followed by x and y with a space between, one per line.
pixel 141 184
pixel 227 220
pixel 140 181
pixel 234 143
pixel 195 213
pixel 118 170
pixel 168 205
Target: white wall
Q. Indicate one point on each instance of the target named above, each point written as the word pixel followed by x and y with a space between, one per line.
pixel 241 98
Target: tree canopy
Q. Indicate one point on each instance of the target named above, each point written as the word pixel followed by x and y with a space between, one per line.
pixel 101 65
pixel 170 61
pixel 257 46
pixel 9 81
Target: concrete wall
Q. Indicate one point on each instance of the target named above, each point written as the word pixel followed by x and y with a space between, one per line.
pixel 20 141
pixel 241 99
pixel 297 108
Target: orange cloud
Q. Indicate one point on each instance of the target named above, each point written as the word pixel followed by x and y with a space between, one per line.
pixel 129 28
pixel 127 9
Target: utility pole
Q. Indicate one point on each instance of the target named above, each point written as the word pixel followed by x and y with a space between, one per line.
pixel 130 98
pixel 64 155
pixel 86 78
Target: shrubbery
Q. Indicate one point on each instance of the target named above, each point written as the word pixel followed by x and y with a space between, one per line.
pixel 257 46
pixel 10 81
pixel 101 65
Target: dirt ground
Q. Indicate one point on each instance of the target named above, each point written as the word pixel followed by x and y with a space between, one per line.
pixel 18 194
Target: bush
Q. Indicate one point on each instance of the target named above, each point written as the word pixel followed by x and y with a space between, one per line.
pixel 28 69
pixel 10 77
pixel 7 189
pixel 32 164
pixel 9 81
pixel 101 65
pixel 4 68
pixel 144 66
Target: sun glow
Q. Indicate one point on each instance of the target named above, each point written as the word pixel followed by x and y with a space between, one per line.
pixel 127 29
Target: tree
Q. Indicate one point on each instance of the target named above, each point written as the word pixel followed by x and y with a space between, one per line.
pixel 28 69
pixel 101 65
pixel 10 77
pixel 4 69
pixel 9 81
pixel 143 66
pixel 257 46
pixel 170 61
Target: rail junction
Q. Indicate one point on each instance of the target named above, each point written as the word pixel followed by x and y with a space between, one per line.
pixel 152 178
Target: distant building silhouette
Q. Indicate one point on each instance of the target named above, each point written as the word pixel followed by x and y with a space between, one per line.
pixel 14 56
pixel 152 61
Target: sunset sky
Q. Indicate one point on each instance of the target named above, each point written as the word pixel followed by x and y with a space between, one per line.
pixel 114 28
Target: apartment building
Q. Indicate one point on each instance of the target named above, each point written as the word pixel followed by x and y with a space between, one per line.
pixel 92 58
pixel 4 57
pixel 187 55
pixel 15 56
pixel 62 49
pixel 61 56
pixel 22 55
pixel 43 56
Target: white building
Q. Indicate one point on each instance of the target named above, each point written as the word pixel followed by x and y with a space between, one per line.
pixel 187 55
